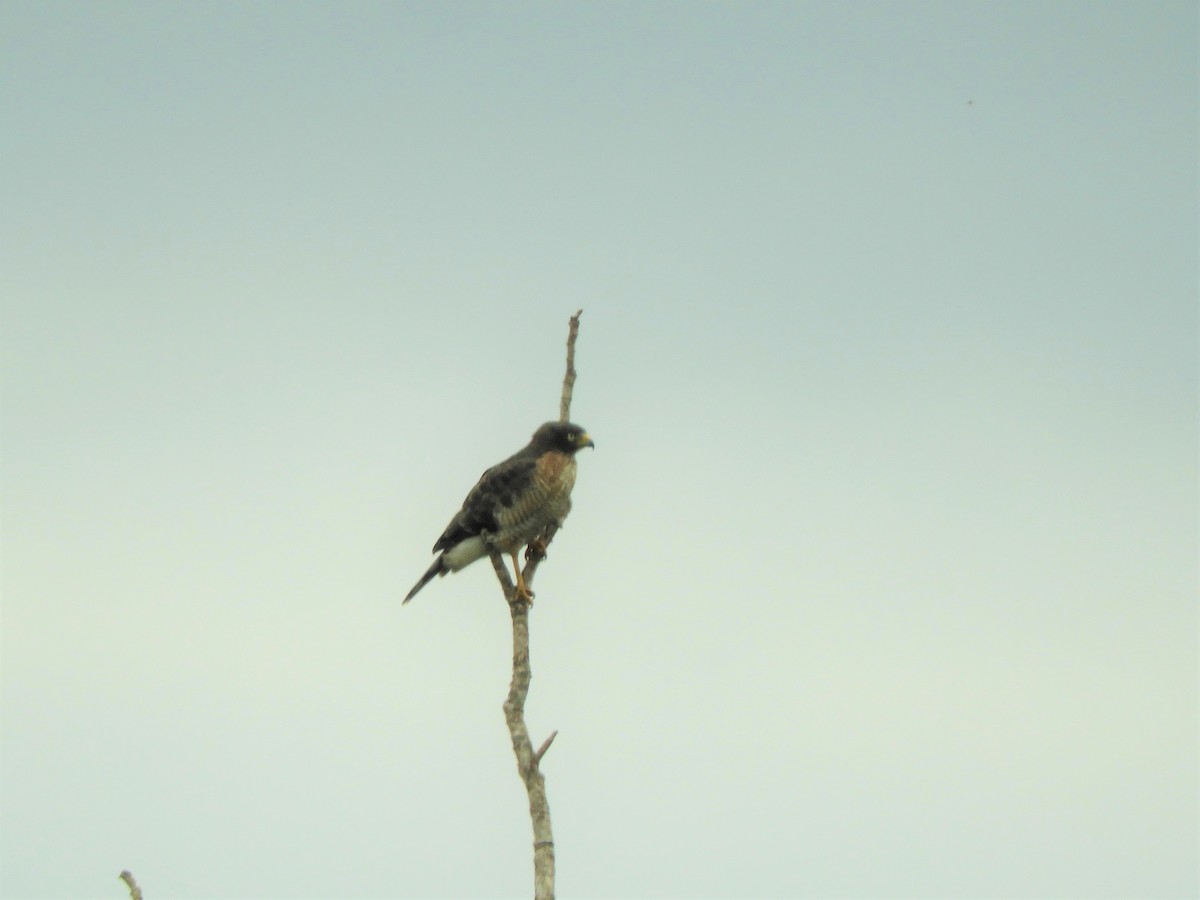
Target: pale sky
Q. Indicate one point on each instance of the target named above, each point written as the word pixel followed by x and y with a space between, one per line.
pixel 881 580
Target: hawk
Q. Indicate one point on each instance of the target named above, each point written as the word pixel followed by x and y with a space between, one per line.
pixel 513 504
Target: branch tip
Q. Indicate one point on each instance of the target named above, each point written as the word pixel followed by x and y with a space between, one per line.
pixel 135 892
pixel 564 407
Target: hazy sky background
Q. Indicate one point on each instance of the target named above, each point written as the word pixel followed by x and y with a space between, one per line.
pixel 882 577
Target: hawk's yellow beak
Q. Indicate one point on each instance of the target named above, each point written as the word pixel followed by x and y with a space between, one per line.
pixel 585 440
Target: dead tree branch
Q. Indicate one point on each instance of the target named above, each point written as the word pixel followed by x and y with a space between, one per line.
pixel 528 761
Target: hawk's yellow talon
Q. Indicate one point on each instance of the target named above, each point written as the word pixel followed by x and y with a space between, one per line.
pixel 521 591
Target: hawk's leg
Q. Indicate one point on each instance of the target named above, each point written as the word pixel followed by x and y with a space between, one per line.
pixel 536 549
pixel 522 592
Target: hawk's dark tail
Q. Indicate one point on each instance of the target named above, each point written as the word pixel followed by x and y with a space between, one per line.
pixel 438 568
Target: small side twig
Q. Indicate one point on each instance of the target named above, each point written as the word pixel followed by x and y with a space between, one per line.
pixel 541 751
pixel 135 892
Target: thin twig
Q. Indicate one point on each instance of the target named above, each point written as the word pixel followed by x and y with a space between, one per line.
pixel 135 892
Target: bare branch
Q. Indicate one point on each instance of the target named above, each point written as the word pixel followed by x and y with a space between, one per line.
pixel 135 892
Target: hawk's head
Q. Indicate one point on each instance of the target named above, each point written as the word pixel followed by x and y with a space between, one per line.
pixel 564 437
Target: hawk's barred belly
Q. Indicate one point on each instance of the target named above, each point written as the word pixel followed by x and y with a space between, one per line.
pixel 547 501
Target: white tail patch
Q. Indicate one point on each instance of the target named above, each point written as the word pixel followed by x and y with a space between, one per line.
pixel 464 553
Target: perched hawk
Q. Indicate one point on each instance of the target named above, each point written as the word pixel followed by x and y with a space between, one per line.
pixel 513 504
